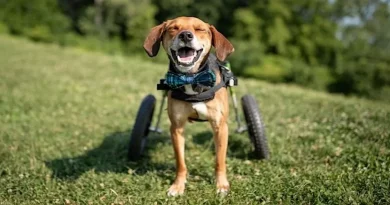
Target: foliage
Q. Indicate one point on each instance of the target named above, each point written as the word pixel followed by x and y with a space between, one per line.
pixel 246 54
pixel 280 69
pixel 41 20
pixel 3 28
pixel 365 68
pixel 346 41
pixel 271 68
pixel 210 11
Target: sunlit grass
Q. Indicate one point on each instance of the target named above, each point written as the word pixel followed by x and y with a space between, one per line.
pixel 66 116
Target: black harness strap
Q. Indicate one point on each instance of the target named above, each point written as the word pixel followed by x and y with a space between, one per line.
pixel 201 97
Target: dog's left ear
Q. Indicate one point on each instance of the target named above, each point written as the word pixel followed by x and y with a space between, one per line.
pixel 152 41
pixel 223 48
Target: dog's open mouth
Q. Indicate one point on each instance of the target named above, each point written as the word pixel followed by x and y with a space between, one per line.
pixel 186 56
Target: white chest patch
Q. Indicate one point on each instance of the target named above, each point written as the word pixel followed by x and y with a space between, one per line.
pixel 201 109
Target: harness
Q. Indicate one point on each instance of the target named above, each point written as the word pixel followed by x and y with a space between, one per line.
pixel 205 93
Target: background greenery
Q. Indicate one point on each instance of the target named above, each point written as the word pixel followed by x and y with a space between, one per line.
pixel 334 45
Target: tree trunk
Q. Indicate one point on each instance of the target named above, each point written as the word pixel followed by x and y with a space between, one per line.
pixel 99 18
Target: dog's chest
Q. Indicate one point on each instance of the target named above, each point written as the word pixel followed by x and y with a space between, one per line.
pixel 199 107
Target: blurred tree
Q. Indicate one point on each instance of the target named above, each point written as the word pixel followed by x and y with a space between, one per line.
pixel 275 14
pixel 216 12
pixel 127 20
pixel 297 41
pixel 365 68
pixel 314 31
pixel 99 18
pixel 246 25
pixel 299 29
pixel 246 39
pixel 74 9
pixel 40 20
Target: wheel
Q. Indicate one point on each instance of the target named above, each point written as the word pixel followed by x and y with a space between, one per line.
pixel 255 126
pixel 141 127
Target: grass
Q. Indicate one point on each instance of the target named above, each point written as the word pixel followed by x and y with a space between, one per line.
pixel 66 116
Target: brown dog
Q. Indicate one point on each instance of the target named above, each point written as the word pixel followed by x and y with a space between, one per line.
pixel 188 41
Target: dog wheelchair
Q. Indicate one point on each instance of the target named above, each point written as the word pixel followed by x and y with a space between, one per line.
pixel 253 124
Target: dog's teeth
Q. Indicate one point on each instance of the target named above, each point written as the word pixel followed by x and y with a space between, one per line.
pixel 185 59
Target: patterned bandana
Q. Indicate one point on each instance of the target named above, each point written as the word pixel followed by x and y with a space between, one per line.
pixel 177 80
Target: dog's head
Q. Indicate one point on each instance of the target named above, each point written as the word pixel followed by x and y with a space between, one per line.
pixel 187 41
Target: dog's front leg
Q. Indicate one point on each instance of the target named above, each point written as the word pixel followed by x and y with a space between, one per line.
pixel 177 137
pixel 221 143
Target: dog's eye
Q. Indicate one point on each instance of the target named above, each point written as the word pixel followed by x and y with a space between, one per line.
pixel 174 28
pixel 200 29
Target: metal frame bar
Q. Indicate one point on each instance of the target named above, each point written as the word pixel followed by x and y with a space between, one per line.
pixel 240 126
pixel 156 127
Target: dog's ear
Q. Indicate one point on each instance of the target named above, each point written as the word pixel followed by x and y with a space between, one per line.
pixel 152 41
pixel 223 47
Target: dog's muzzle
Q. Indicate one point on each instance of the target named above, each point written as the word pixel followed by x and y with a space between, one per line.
pixel 186 53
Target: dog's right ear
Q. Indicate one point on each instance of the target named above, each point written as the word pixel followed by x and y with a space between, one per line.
pixel 152 41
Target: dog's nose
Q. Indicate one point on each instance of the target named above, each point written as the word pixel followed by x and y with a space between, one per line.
pixel 186 36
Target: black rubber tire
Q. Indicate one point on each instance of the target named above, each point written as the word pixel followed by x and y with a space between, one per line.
pixel 255 126
pixel 141 128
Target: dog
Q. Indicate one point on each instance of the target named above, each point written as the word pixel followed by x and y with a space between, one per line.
pixel 188 42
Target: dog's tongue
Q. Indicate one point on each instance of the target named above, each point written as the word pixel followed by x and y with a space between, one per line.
pixel 186 54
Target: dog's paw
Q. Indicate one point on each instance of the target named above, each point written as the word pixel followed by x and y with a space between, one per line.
pixel 176 189
pixel 223 187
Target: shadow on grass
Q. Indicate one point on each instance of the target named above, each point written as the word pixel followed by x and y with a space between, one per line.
pixel 239 145
pixel 110 156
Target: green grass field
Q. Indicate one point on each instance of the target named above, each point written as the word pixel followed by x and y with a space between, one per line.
pixel 66 116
